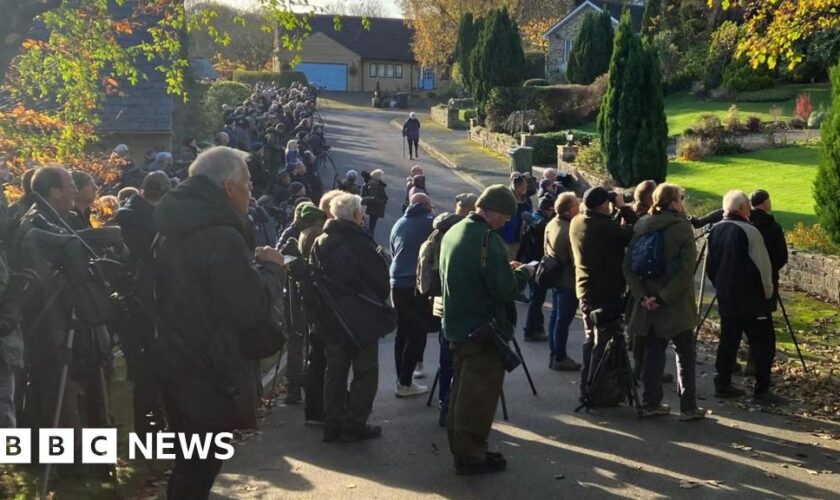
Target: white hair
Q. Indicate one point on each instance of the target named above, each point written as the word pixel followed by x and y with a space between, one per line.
pixel 412 115
pixel 220 164
pixel 734 200
pixel 345 206
pixel 292 144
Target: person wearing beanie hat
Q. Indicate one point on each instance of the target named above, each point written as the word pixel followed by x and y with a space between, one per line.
pixel 348 185
pixel 772 233
pixel 375 199
pixel 512 232
pixel 598 242
pixel 479 287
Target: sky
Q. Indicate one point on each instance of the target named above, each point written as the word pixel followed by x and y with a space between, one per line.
pixel 390 7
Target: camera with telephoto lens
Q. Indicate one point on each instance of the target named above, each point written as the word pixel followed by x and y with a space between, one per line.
pixel 487 333
pixel 615 194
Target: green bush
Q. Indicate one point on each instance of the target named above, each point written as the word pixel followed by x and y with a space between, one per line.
pixel 283 79
pixel 827 183
pixel 739 76
pixel 767 95
pixel 497 59
pixel 536 82
pixel 534 65
pixel 231 93
pixel 545 151
pixel 591 157
pixel 811 238
pixel 461 103
pixel 466 114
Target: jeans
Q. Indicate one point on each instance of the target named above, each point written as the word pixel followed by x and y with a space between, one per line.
pixel 655 362
pixel 372 225
pixel 535 321
pixel 762 339
pixel 445 374
pixel 7 397
pixel 413 314
pixel 562 315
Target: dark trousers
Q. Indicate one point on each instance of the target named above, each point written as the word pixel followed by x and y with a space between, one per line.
pixel 476 387
pixel 413 315
pixel 535 321
pixel 339 409
pixel 372 225
pixel 445 374
pixel 762 339
pixel 654 364
pixel 192 479
pixel 565 307
pixel 594 343
pixel 413 147
pixel 313 382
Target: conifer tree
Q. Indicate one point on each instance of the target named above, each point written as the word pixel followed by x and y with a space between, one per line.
pixel 498 59
pixel 827 183
pixel 592 49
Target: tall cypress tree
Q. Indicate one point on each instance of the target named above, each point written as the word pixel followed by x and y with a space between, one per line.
pixel 592 49
pixel 827 182
pixel 468 32
pixel 631 122
pixel 498 59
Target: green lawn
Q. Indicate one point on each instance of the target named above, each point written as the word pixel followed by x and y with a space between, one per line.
pixel 683 110
pixel 787 173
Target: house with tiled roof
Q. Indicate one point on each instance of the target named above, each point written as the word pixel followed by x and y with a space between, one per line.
pixel 561 37
pixel 356 59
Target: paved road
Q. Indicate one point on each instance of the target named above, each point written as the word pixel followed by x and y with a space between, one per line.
pixel 552 451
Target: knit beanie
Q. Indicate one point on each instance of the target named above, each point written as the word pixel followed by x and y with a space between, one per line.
pixel 296 187
pixel 595 197
pixel 758 197
pixel 311 215
pixel 497 198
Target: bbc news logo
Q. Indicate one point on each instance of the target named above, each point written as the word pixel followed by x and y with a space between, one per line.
pixel 99 446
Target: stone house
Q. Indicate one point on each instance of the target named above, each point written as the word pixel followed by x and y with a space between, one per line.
pixel 355 59
pixel 561 36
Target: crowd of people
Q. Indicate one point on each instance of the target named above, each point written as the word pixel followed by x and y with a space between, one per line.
pixel 247 249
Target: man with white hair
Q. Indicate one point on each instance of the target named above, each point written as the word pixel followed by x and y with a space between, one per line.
pixel 352 265
pixel 739 267
pixel 215 297
pixel 411 132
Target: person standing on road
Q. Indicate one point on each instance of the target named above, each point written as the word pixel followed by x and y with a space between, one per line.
pixel 411 132
pixel 513 228
pixel 663 307
pixel 558 245
pixel 479 288
pixel 740 269
pixel 375 199
pixel 413 309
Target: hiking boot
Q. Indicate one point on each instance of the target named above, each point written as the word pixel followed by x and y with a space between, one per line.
pixel 488 465
pixel 691 415
pixel 768 398
pixel 728 392
pixel 332 434
pixel 407 391
pixel 564 365
pixel 418 371
pixel 659 410
pixel 360 433
pixel 535 337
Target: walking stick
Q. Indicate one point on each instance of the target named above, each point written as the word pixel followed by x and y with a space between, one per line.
pixel 404 139
pixel 432 390
pixel 524 366
pixel 792 336
pixel 504 405
pixel 705 317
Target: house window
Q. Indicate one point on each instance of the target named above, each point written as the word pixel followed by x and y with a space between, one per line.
pixel 372 71
pixel 380 70
pixel 389 71
pixel 398 71
pixel 567 49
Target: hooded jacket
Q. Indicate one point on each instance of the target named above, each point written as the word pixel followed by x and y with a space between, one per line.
pixel 558 245
pixel 443 223
pixel 677 311
pixel 598 243
pixel 375 198
pixel 209 295
pixel 408 233
pixel 137 224
pixel 774 240
pixel 411 128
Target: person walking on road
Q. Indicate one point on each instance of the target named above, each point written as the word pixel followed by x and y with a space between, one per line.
pixel 411 132
pixel 414 311
pixel 479 288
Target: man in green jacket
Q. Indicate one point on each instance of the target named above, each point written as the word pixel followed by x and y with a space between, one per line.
pixel 479 288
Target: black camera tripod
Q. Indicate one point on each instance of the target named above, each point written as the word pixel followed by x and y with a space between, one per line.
pixel 502 396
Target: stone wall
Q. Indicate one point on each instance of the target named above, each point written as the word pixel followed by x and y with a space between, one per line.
pixel 445 116
pixel 813 273
pixel 499 143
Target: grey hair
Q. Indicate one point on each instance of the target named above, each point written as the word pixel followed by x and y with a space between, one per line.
pixel 220 164
pixel 734 200
pixel 345 206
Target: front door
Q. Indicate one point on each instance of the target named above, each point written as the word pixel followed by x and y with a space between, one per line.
pixel 427 80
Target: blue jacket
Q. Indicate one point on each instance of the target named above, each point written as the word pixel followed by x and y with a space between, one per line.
pixel 512 230
pixel 408 233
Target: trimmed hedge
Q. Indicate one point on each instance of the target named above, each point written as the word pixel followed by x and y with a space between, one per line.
pixel 536 82
pixel 534 65
pixel 545 152
pixel 562 106
pixel 284 78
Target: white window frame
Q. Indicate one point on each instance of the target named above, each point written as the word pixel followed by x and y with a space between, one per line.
pixel 398 71
pixel 567 49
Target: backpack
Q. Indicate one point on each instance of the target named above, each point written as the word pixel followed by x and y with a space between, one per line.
pixel 612 381
pixel 428 266
pixel 647 256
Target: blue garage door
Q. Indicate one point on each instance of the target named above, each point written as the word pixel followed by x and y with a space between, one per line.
pixel 332 76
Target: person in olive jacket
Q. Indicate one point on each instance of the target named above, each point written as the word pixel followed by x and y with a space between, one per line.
pixel 374 198
pixel 211 300
pixel 664 308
